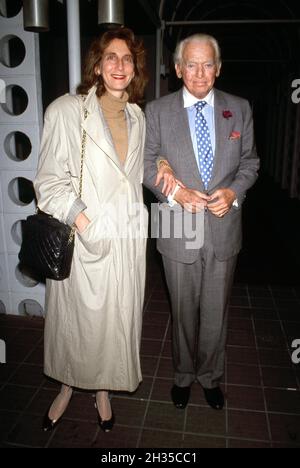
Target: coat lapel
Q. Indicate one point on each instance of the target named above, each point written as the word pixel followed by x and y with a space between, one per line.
pixel 97 130
pixel 134 135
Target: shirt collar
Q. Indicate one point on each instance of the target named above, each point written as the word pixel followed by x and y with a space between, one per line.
pixel 190 100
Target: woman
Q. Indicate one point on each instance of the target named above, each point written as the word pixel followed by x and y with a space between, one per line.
pixel 93 318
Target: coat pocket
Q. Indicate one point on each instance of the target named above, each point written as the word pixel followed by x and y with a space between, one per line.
pixel 95 238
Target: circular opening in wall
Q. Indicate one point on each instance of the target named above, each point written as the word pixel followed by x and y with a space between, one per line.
pixel 21 191
pixel 17 146
pixel 10 8
pixel 31 308
pixel 24 279
pixel 16 100
pixel 12 51
pixel 2 308
pixel 16 231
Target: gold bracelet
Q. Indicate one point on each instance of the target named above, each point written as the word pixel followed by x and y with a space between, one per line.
pixel 163 162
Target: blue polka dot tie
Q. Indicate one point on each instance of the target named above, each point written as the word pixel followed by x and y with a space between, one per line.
pixel 205 152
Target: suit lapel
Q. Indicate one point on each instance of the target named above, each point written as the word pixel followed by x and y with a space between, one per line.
pixel 222 132
pixel 182 134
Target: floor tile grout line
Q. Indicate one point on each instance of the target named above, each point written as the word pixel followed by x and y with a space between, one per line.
pixel 184 424
pixel 263 387
pixel 209 435
pixel 161 402
pixel 244 364
pixel 226 392
pixel 147 404
pixel 263 348
pixel 261 376
pixel 21 364
pixel 277 309
pixel 231 384
pixel 264 392
pixel 230 438
pixel 263 319
pixel 22 412
pixel 14 444
pixel 254 307
pixel 285 334
pixel 153 383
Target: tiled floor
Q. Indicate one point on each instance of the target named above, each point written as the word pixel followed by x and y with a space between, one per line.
pixel 261 384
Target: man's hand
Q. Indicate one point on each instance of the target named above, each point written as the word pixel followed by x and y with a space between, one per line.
pixel 221 201
pixel 191 200
pixel 166 174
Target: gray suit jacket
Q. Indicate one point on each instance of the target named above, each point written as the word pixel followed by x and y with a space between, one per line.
pixel 235 165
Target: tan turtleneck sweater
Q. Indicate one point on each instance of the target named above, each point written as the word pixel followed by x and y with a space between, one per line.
pixel 113 109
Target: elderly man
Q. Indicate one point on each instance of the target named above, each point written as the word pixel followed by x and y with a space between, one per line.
pixel 207 137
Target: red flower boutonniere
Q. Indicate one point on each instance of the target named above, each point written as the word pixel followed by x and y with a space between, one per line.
pixel 235 135
pixel 227 114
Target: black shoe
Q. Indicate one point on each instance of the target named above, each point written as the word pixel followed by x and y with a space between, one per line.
pixel 107 425
pixel 180 396
pixel 214 397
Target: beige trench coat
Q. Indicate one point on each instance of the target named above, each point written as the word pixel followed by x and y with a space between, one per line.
pixel 93 318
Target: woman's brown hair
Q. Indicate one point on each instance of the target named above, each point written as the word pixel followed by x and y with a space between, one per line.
pixel 94 57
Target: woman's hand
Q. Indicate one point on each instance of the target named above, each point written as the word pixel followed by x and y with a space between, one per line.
pixel 81 222
pixel 166 174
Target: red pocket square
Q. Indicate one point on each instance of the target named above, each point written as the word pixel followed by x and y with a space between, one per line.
pixel 235 135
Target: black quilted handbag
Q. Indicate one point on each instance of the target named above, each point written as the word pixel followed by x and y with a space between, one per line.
pixel 47 247
pixel 48 244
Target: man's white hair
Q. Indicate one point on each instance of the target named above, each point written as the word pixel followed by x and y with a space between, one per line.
pixel 201 38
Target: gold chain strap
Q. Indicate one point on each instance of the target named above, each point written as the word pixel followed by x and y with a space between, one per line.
pixel 83 144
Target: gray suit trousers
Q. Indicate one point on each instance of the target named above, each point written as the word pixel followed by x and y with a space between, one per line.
pixel 199 297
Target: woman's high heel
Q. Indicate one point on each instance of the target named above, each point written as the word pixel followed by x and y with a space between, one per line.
pixel 50 424
pixel 107 425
